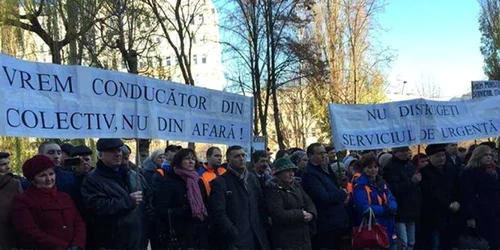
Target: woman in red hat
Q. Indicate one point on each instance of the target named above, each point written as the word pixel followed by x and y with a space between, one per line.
pixel 45 218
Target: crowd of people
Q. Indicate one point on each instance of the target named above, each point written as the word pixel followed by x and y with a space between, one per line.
pixel 302 200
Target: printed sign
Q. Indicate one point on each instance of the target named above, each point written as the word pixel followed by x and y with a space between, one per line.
pixel 55 101
pixel 420 121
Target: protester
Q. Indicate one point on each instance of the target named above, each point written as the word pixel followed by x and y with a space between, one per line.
pixel 66 149
pixel 237 206
pixel 480 195
pixel 65 178
pixel 282 153
pixel 292 212
pixel 170 151
pixel 332 155
pixel 261 167
pixel 299 159
pixel 84 156
pixel 179 203
pixel 420 160
pixel 212 168
pixel 469 153
pixel 320 183
pixel 371 191
pixel 452 157
pixel 403 179
pixel 126 151
pixel 152 167
pixel 462 152
pixel 114 196
pixel 9 187
pixel 440 195
pixel 44 217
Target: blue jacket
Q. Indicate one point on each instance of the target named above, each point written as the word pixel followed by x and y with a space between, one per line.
pixel 65 181
pixel 382 211
pixel 328 198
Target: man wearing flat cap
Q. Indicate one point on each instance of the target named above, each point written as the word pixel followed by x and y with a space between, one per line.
pixel 114 197
pixel 440 195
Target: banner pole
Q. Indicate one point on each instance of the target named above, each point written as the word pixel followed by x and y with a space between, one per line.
pixel 418 159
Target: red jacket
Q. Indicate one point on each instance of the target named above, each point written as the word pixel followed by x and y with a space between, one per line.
pixel 47 219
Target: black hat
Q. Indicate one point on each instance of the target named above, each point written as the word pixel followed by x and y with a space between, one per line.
pixel 400 149
pixel 434 149
pixel 80 151
pixel 67 148
pixel 172 148
pixel 106 144
pixel 4 155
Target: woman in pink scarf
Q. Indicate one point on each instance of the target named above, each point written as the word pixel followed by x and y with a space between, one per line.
pixel 179 203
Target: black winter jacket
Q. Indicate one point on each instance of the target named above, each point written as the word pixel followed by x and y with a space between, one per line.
pixel 439 190
pixel 171 196
pixel 238 213
pixel 398 175
pixel 114 220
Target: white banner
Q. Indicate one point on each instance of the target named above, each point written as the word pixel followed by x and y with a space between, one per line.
pixel 482 89
pixel 413 122
pixel 54 101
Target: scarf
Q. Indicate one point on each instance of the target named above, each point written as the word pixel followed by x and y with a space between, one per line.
pixel 492 170
pixel 198 209
pixel 243 176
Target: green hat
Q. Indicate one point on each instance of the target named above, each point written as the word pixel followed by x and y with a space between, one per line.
pixel 283 164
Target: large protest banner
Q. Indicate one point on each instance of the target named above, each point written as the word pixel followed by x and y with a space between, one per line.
pixel 413 122
pixel 54 101
pixel 482 89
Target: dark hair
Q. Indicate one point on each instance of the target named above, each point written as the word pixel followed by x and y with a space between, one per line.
pixel 367 160
pixel 329 148
pixel 490 144
pixel 233 148
pixel 310 149
pixel 416 157
pixel 179 156
pixel 461 149
pixel 293 150
pixel 211 150
pixel 281 153
pixel 258 154
pixel 357 166
pixel 172 148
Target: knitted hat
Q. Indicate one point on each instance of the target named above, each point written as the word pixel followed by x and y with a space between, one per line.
pixel 156 154
pixel 297 156
pixel 384 159
pixel 434 149
pixel 348 160
pixel 283 164
pixel 36 165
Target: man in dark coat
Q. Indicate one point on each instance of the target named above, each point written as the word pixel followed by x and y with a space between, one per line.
pixel 440 195
pixel 452 157
pixel 403 180
pixel 260 163
pixel 237 206
pixel 65 181
pixel 320 183
pixel 114 197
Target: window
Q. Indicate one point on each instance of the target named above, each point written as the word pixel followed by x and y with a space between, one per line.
pixel 141 65
pixel 204 59
pixel 192 20
pixel 158 40
pixel 176 61
pixel 195 59
pixel 194 40
pixel 201 19
pixel 168 61
pixel 150 62
pixel 213 11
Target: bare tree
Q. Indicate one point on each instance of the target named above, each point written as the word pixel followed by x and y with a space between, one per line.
pixel 44 18
pixel 427 87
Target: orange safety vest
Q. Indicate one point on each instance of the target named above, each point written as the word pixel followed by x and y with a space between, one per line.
pixel 161 172
pixel 381 200
pixel 350 185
